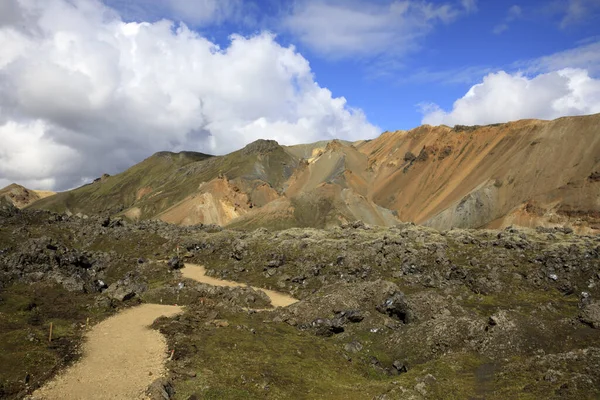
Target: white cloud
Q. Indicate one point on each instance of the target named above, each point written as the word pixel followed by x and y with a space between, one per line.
pixel 193 12
pixel 498 29
pixel 464 75
pixel 514 12
pixel 28 156
pixel 571 13
pixel 82 93
pixel 341 29
pixel 505 97
pixel 577 11
pixel 469 5
pixel 586 56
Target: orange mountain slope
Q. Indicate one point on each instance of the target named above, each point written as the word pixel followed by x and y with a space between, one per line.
pixel 473 176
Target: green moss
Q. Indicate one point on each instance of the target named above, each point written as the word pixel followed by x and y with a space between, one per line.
pixel 227 393
pixel 277 361
pixel 525 301
pixel 455 376
pixel 26 312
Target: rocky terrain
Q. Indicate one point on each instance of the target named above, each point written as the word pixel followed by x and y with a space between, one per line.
pixel 528 173
pixel 383 312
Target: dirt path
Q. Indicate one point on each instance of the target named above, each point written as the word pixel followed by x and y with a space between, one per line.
pixel 121 358
pixel 198 273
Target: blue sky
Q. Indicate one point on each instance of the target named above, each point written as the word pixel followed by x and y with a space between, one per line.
pixel 94 86
pixel 438 66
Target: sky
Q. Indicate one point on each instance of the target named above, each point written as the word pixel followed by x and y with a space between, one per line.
pixel 94 86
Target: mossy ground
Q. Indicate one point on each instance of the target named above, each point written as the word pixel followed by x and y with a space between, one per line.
pixel 251 359
pixel 258 356
pixel 26 312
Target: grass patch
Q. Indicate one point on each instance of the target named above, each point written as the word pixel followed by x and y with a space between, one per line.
pixel 253 359
pixel 26 312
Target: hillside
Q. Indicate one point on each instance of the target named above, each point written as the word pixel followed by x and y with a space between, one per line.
pixel 192 188
pixel 530 173
pixel 21 197
pixel 527 172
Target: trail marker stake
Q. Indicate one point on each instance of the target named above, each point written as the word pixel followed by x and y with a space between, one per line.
pixel 50 335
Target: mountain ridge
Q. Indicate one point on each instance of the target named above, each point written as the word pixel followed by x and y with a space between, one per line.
pixel 527 172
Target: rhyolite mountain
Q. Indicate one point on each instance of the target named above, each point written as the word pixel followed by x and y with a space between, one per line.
pixel 21 197
pixel 528 173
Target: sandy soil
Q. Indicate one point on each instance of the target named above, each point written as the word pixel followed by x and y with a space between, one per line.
pixel 122 357
pixel 198 273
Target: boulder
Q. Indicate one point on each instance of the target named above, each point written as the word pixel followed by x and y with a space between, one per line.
pixel 239 250
pixel 72 283
pixel 353 315
pixel 397 307
pixel 400 366
pixel 353 347
pixel 327 327
pixel 277 261
pixel 100 285
pixel 590 314
pixel 409 156
pixel 175 263
pixel 126 288
pixel 160 389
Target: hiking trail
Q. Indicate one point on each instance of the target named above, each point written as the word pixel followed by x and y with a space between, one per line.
pixel 122 356
pixel 198 273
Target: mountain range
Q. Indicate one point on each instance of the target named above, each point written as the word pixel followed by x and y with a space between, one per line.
pixel 528 173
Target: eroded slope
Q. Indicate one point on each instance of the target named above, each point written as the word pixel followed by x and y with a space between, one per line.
pixel 471 176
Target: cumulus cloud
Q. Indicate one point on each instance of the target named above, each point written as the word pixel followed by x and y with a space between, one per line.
pixel 505 97
pixel 82 93
pixel 341 29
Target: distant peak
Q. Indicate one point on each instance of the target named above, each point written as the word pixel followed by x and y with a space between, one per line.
pixel 261 146
pixel 13 186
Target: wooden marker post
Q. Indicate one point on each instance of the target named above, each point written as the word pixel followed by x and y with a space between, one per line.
pixel 87 323
pixel 50 335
